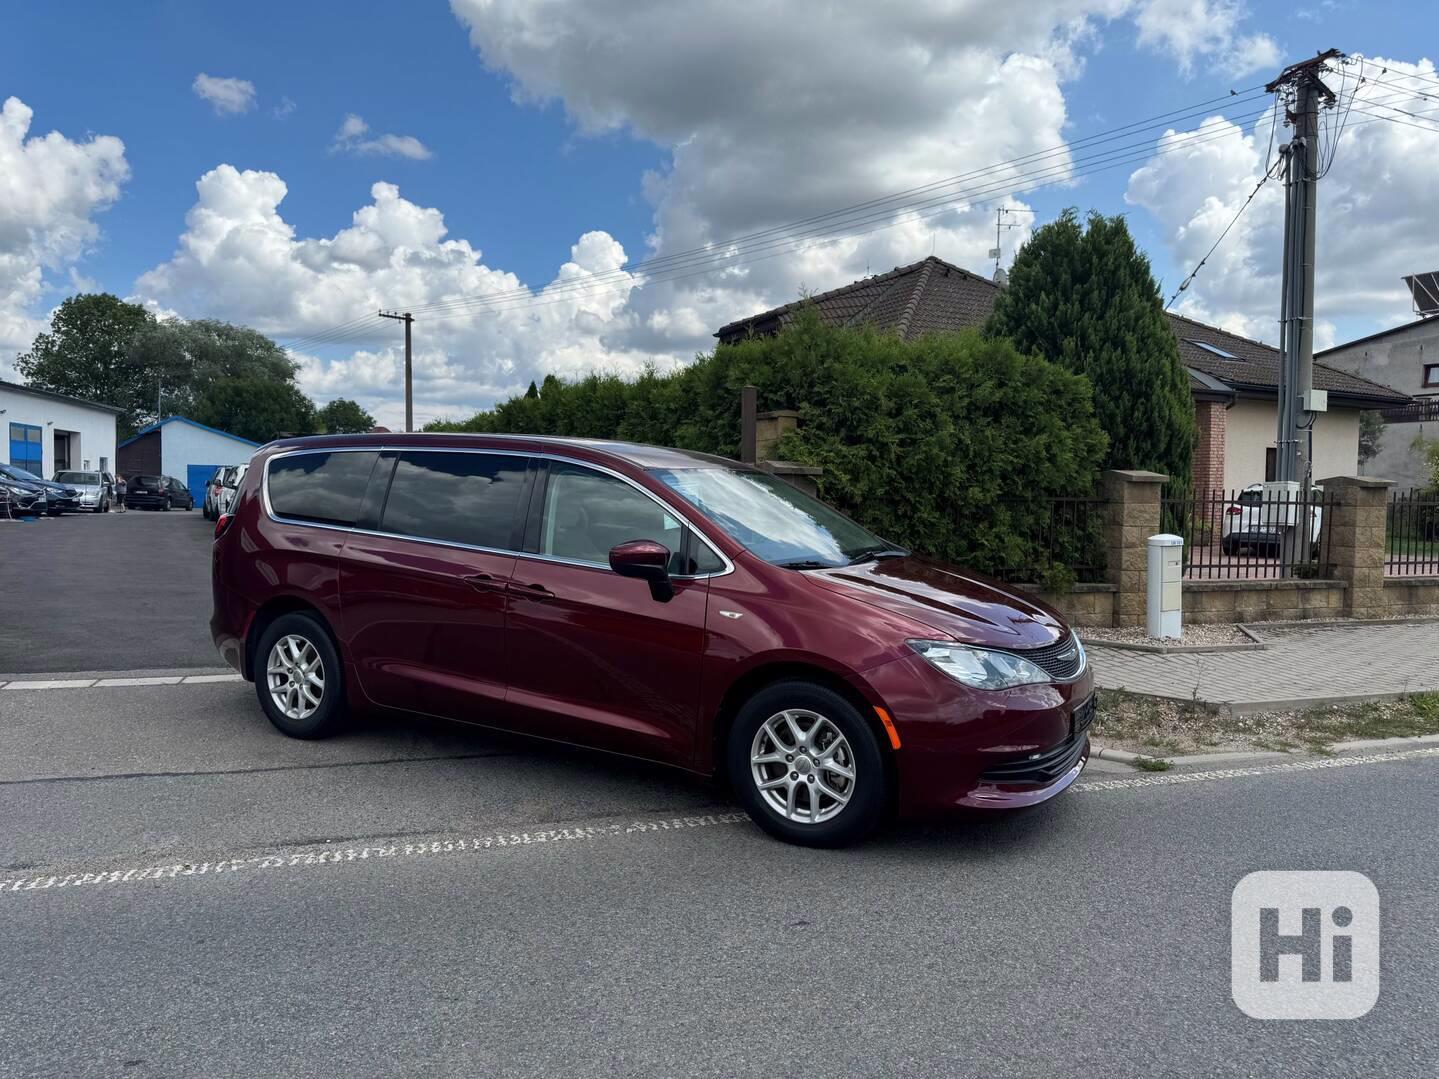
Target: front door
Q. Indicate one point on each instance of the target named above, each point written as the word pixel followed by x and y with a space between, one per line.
pixel 593 657
pixel 424 603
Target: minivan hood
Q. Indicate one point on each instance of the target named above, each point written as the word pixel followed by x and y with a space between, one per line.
pixel 955 602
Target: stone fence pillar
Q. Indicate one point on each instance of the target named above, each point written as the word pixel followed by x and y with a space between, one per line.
pixel 1355 538
pixel 1131 516
pixel 770 427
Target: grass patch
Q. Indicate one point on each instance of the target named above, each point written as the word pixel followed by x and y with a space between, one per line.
pixel 1143 724
pixel 1152 764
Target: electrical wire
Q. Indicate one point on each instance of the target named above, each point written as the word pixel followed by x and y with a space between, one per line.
pixel 1269 173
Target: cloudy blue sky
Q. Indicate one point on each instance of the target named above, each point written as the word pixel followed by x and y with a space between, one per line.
pixel 501 166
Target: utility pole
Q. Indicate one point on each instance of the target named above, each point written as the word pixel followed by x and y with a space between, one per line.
pixel 409 320
pixel 1305 93
pixel 1000 224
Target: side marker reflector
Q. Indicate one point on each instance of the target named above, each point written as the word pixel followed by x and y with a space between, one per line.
pixel 889 729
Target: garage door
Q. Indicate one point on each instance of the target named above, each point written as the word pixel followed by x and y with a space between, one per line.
pixel 196 477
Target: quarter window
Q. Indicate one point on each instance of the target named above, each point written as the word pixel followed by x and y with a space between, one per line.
pixel 468 498
pixel 588 512
pixel 326 488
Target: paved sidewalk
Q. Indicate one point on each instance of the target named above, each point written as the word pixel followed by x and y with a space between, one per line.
pixel 1303 664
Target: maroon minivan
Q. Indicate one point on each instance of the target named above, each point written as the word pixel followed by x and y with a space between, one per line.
pixel 653 602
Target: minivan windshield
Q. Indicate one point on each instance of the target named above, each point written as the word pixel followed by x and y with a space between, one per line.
pixel 774 520
pixel 92 478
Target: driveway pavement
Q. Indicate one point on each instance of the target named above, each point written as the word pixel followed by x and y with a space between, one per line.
pixel 1302 663
pixel 109 591
pixel 434 901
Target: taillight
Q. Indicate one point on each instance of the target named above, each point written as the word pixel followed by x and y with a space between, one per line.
pixel 222 524
pixel 1234 511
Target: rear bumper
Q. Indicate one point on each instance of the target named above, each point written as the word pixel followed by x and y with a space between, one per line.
pixel 975 749
pixel 140 501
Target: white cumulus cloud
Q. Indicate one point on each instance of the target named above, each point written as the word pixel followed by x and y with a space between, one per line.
pixel 354 137
pixel 1205 30
pixel 51 188
pixel 228 97
pixel 1375 212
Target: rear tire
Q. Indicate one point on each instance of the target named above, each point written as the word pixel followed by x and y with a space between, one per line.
pixel 167 503
pixel 298 677
pixel 818 759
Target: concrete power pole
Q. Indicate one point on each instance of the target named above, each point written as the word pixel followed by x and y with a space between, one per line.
pixel 409 320
pixel 1302 85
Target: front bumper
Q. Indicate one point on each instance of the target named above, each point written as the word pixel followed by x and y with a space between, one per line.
pixel 963 748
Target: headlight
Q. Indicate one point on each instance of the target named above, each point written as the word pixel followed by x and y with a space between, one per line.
pixel 982 668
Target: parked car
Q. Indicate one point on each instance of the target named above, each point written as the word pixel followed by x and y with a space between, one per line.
pixel 20 499
pixel 651 602
pixel 59 497
pixel 232 485
pixel 94 494
pixel 215 489
pixel 157 493
pixel 1252 524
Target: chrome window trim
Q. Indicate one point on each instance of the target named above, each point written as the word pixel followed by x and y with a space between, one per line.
pixel 728 566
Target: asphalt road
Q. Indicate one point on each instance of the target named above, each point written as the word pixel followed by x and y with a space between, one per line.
pixel 116 591
pixel 435 901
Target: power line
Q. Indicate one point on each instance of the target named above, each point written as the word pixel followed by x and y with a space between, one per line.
pixel 1235 220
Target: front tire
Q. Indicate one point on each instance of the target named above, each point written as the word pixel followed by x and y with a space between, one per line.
pixel 806 765
pixel 298 677
pixel 167 503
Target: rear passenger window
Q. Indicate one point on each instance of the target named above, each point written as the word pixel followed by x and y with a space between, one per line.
pixel 466 498
pixel 323 487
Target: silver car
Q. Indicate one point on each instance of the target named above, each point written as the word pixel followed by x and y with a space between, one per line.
pixel 95 494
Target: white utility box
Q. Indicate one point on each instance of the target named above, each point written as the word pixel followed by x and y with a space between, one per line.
pixel 1165 607
pixel 1281 503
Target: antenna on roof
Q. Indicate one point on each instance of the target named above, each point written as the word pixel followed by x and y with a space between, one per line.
pixel 999 224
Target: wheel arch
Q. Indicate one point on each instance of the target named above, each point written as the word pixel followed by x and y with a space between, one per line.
pixel 277 608
pixel 756 678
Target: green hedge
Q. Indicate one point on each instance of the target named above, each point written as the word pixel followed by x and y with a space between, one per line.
pixel 952 444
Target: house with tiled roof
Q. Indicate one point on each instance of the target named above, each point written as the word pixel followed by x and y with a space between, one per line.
pixel 1234 380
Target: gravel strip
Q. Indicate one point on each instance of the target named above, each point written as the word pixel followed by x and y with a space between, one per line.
pixel 1194 636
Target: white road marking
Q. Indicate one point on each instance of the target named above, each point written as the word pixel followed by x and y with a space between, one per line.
pixel 155 681
pixel 1168 779
pixel 53 683
pixel 120 682
pixel 335 854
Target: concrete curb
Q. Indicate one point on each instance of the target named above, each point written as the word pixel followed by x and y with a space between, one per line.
pixel 1123 756
pixel 1176 649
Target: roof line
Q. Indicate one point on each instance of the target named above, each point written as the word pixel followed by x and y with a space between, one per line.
pixel 902 326
pixel 193 423
pixel 1376 336
pixel 52 395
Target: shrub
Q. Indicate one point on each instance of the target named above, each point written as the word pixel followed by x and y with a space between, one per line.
pixel 949 444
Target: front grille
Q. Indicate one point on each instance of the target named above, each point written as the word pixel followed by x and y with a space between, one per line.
pixel 1042 769
pixel 1062 659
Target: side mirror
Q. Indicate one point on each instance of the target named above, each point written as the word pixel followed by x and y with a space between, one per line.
pixel 645 560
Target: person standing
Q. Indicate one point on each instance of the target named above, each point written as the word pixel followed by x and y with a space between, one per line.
pixel 119 493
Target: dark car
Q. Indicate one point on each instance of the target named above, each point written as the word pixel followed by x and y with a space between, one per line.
pixel 652 602
pixel 59 497
pixel 20 499
pixel 157 493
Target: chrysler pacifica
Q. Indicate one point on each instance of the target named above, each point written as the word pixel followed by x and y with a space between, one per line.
pixel 654 602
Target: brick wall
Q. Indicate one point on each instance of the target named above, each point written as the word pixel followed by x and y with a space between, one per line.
pixel 1210 418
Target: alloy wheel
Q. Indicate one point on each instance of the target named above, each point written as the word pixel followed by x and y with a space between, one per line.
pixel 803 766
pixel 295 675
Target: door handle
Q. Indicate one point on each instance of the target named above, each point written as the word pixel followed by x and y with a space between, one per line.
pixel 533 590
pixel 484 582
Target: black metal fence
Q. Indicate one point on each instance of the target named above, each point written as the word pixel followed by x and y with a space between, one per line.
pixel 1244 535
pixel 1411 534
pixel 1054 541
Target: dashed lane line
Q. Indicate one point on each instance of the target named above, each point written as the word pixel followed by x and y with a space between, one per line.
pixel 398 850
pixel 1320 764
pixel 116 683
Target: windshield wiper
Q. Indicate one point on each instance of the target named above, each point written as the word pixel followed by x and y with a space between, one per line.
pixel 877 553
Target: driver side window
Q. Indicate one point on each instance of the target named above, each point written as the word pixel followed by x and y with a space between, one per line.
pixel 588 512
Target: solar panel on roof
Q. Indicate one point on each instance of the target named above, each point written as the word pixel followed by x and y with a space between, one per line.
pixel 1207 347
pixel 1424 287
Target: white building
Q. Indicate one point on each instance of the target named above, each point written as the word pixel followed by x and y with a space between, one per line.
pixel 45 433
pixel 182 448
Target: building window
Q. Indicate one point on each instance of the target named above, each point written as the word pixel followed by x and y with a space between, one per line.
pixel 26 450
pixel 1431 374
